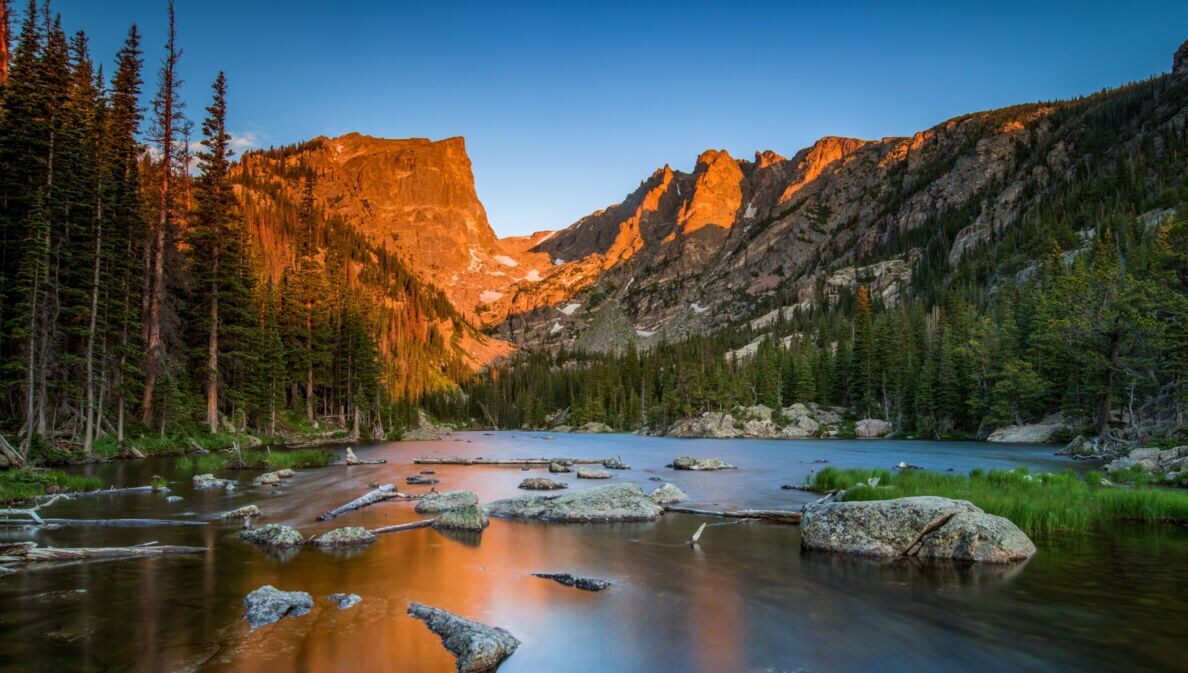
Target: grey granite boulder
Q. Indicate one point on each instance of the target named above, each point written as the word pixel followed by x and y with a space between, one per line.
pixel 668 494
pixel 541 484
pixel 592 473
pixel 924 526
pixel 245 512
pixel 274 535
pixel 432 503
pixel 612 502
pixel 345 600
pixel 478 647
pixel 269 604
pixel 700 464
pixel 351 536
pixel 468 517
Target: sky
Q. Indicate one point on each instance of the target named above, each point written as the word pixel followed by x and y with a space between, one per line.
pixel 567 106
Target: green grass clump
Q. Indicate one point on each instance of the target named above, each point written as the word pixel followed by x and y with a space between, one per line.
pixel 25 483
pixel 1041 504
pixel 256 460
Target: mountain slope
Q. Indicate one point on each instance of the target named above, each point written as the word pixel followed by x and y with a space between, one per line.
pixel 690 252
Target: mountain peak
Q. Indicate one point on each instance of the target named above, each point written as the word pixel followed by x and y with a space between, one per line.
pixel 1180 61
pixel 766 158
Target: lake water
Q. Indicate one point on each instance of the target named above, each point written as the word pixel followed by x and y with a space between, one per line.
pixel 747 599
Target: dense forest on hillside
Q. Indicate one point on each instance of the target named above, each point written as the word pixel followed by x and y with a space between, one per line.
pixel 135 299
pixel 1081 308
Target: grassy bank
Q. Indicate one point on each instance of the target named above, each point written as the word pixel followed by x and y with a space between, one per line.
pixel 1041 504
pixel 256 460
pixel 25 483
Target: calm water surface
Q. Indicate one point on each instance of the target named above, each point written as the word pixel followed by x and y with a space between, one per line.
pixel 746 600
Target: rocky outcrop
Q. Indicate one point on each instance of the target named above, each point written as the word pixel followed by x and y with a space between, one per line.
pixel 351 536
pixel 208 482
pixel 478 647
pixel 466 518
pixel 583 583
pixel 1035 433
pixel 269 604
pixel 274 536
pixel 593 428
pixel 432 503
pixel 708 424
pixel 245 512
pixel 425 430
pixel 924 526
pixel 667 494
pixel 612 502
pixel 593 473
pixel 871 428
pixel 1171 462
pixel 541 484
pixel 700 464
pixel 557 467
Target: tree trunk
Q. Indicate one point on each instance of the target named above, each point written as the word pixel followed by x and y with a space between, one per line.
pixel 89 431
pixel 212 355
pixel 309 405
pixel 1103 409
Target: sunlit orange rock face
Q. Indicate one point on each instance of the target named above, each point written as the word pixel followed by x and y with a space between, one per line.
pixel 417 197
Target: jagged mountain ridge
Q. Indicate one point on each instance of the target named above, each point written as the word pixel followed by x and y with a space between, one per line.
pixel 693 251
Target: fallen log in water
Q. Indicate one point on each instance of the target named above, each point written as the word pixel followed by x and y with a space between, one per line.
pixel 112 491
pixel 110 523
pixel 509 461
pixel 424 523
pixel 385 492
pixel 29 552
pixel 776 515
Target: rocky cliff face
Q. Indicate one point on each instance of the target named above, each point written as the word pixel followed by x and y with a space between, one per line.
pixel 415 197
pixel 690 252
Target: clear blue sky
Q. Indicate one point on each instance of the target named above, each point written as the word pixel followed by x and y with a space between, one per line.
pixel 567 106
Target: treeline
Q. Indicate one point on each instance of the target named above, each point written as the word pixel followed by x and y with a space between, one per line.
pixel 1080 307
pixel 132 295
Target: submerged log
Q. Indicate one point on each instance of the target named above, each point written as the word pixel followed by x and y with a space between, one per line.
pixel 385 492
pixel 424 523
pixel 113 491
pixel 29 552
pixel 509 461
pixel 110 523
pixel 776 515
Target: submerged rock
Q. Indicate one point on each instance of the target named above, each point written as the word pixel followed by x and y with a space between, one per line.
pixel 418 480
pixel 351 536
pixel 593 473
pixel 431 503
pixel 274 535
pixel 702 464
pixel 541 484
pixel 273 478
pixel 247 511
pixel 209 481
pixel 269 604
pixel 667 494
pixel 467 517
pixel 557 467
pixel 583 583
pixel 478 647
pixel 345 600
pixel 924 526
pixel 615 464
pixel 612 502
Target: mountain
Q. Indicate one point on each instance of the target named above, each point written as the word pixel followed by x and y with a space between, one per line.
pixel 689 252
pixel 414 198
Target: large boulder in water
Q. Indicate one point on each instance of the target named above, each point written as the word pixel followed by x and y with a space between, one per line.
pixel 668 494
pixel 541 484
pixel 432 503
pixel 469 518
pixel 269 604
pixel 924 526
pixel 478 647
pixel 613 502
pixel 274 535
pixel 351 536
pixel 700 464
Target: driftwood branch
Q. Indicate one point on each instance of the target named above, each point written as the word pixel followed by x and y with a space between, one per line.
pixel 29 552
pixel 31 512
pixel 105 523
pixel 424 523
pixel 776 515
pixel 697 536
pixel 385 492
pixel 509 461
pixel 111 491
pixel 914 548
pixel 15 459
